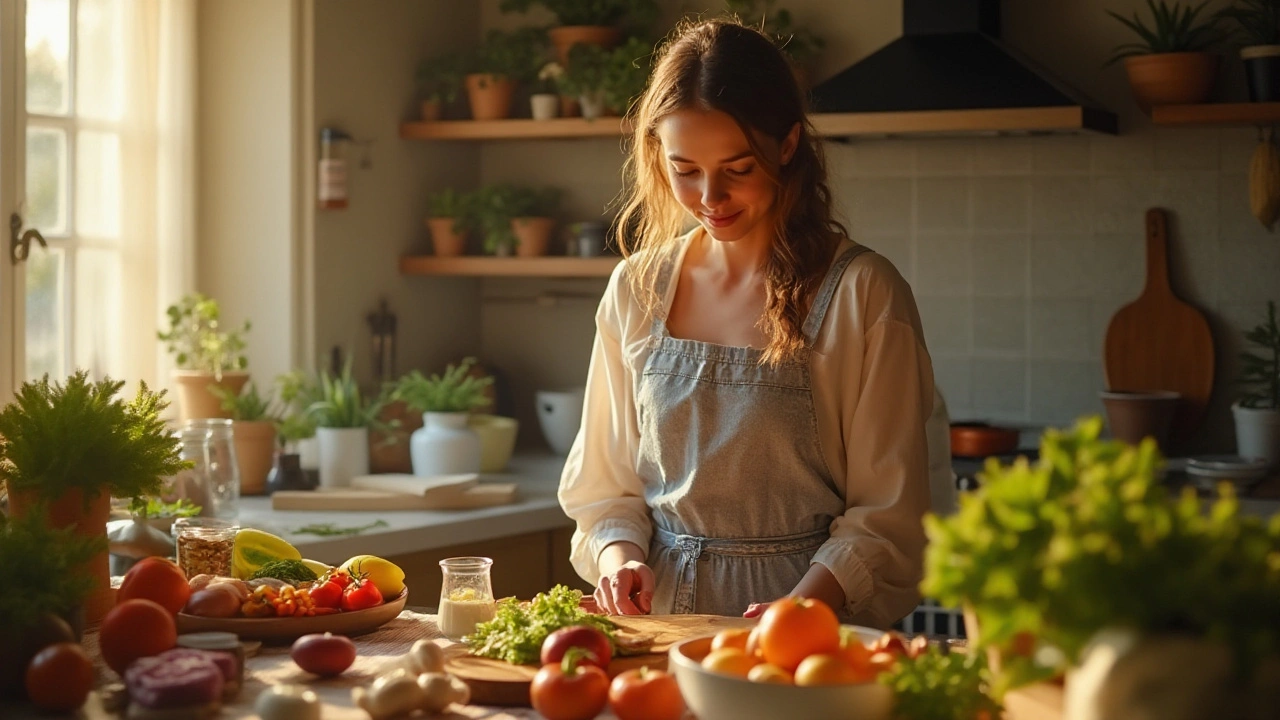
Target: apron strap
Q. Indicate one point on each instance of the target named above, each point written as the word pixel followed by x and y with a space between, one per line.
pixel 822 301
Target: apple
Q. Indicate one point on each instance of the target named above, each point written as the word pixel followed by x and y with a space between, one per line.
pixel 583 636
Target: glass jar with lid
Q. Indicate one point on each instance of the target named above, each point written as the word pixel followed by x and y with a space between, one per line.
pixel 191 484
pixel 224 467
pixel 204 545
pixel 466 596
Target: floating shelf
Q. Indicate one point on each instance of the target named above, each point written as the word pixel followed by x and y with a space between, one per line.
pixel 475 266
pixel 1013 121
pixel 1217 114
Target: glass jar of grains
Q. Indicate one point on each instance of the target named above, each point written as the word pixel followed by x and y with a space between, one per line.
pixel 204 545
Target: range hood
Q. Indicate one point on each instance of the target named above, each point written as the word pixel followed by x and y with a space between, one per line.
pixel 950 74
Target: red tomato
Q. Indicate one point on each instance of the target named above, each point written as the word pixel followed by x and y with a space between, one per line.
pixel 360 595
pixel 793 628
pixel 60 677
pixel 645 694
pixel 158 580
pixel 580 636
pixel 569 691
pixel 341 577
pixel 327 594
pixel 134 629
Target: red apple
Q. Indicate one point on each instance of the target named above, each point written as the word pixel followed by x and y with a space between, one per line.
pixel 583 636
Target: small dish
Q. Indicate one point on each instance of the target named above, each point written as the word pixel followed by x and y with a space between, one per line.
pixel 1208 470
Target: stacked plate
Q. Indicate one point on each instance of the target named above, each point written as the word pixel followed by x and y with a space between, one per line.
pixel 1207 471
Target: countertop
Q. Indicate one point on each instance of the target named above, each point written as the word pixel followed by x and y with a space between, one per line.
pixel 536 509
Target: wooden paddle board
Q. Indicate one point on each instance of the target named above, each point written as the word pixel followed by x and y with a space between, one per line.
pixel 1159 342
pixel 494 682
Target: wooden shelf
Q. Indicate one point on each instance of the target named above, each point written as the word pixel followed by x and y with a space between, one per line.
pixel 1217 114
pixel 476 266
pixel 1013 121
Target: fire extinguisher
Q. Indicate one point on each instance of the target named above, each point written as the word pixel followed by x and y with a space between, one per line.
pixel 331 188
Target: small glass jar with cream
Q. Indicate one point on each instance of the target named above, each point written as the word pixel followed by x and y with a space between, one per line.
pixel 466 595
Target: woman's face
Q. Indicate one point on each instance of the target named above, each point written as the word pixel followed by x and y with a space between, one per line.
pixel 715 175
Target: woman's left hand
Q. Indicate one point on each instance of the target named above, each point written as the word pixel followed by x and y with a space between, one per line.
pixel 755 610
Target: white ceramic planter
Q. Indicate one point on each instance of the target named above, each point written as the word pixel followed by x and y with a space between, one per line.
pixel 544 106
pixel 1257 433
pixel 344 453
pixel 444 445
pixel 592 105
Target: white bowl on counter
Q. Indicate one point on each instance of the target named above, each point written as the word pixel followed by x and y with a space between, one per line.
pixel 715 696
pixel 560 416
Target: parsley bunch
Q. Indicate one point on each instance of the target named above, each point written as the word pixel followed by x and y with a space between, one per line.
pixel 516 632
pixel 941 686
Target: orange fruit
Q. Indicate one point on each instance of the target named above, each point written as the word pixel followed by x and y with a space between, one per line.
pixel 731 638
pixel 729 661
pixel 792 629
pixel 768 673
pixel 826 669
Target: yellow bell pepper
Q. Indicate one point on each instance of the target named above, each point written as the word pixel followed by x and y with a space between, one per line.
pixel 255 548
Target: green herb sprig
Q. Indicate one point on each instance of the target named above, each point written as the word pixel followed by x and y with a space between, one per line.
pixel 42 568
pixel 290 571
pixel 516 632
pixel 332 530
pixel 157 508
pixel 941 686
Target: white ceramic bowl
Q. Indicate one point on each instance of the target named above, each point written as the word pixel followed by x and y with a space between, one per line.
pixel 497 440
pixel 714 696
pixel 560 416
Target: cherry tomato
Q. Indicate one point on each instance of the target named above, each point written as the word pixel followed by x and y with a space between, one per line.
pixel 327 594
pixel 134 629
pixel 568 690
pixel 793 628
pixel 580 636
pixel 339 576
pixel 645 694
pixel 60 677
pixel 158 580
pixel 360 595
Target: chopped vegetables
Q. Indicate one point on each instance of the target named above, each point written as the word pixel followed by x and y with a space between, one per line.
pixel 266 601
pixel 516 632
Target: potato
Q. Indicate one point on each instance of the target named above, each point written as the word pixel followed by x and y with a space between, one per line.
pixel 213 601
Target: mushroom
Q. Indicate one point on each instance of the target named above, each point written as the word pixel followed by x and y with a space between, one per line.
pixel 401 693
pixel 288 702
pixel 425 657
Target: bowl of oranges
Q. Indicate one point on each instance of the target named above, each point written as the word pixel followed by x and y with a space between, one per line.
pixel 798 662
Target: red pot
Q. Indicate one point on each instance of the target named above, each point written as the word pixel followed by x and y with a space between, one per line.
pixel 982 440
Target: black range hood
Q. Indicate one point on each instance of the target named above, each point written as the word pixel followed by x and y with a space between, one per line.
pixel 949 73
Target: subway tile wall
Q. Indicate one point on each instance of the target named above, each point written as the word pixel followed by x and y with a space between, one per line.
pixel 1019 251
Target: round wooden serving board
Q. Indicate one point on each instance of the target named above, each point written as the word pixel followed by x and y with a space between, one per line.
pixel 494 682
pixel 285 629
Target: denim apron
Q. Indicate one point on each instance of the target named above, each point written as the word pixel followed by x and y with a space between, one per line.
pixel 735 479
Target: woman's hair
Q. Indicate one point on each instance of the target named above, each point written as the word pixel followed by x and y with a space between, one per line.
pixel 722 65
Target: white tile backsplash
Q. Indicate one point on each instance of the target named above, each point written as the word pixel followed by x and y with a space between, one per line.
pixel 1001 204
pixel 944 265
pixel 880 206
pixel 1062 329
pixel 1187 149
pixel 1000 325
pixel 1061 204
pixel 945 157
pixel 943 204
pixel 1000 388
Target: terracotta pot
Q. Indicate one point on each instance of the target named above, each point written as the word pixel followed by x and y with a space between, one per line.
pixel 1133 416
pixel 490 96
pixel 982 440
pixel 255 453
pixel 569 106
pixel 1171 78
pixel 194 399
pixel 70 510
pixel 533 235
pixel 446 241
pixel 567 36
pixel 389 449
pixel 430 110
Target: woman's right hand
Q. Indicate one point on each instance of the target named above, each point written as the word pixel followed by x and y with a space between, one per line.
pixel 628 590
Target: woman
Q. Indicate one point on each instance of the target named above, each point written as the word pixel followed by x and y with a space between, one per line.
pixel 754 421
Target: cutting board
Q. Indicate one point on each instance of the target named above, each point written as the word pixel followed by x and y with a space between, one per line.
pixel 494 682
pixel 475 496
pixel 1159 342
pixel 412 484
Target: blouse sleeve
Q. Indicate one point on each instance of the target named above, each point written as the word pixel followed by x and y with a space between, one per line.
pixel 876 547
pixel 599 488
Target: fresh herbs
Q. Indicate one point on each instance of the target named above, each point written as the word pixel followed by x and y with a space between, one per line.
pixel 42 568
pixel 197 340
pixel 331 530
pixel 516 632
pixel 1261 371
pixel 340 403
pixel 290 571
pixel 942 686
pixel 457 390
pixel 157 508
pixel 56 437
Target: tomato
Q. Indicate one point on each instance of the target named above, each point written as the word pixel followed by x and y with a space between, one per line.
pixel 793 628
pixel 828 669
pixel 158 580
pixel 360 595
pixel 324 655
pixel 581 636
pixel 731 638
pixel 852 651
pixel 568 690
pixel 339 576
pixel 327 594
pixel 730 661
pixel 60 677
pixel 891 642
pixel 134 629
pixel 645 694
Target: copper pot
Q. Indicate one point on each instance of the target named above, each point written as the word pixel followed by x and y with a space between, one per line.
pixel 978 439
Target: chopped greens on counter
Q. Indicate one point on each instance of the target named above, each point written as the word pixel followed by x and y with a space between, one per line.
pixel 936 685
pixel 156 508
pixel 516 632
pixel 331 530
pixel 290 571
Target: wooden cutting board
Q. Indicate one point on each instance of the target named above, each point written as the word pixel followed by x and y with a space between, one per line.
pixel 494 682
pixel 1159 342
pixel 351 500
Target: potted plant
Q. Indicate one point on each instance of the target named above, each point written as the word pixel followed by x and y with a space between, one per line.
pixel 1257 413
pixel 1258 24
pixel 439 80
pixel 1170 63
pixel 450 220
pixel 205 355
pixel 254 419
pixel 493 217
pixel 594 22
pixel 626 74
pixel 585 76
pixel 1082 563
pixel 444 444
pixel 343 417
pixel 43 594
pixel 67 448
pixel 532 212
pixel 502 61
pixel 800 44
pixel 544 103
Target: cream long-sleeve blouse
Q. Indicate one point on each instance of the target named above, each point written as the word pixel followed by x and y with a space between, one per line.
pixel 873 392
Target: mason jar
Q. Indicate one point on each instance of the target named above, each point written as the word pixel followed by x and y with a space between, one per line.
pixel 224 467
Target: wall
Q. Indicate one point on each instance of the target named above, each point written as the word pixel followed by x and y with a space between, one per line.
pixel 1019 249
pixel 246 115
